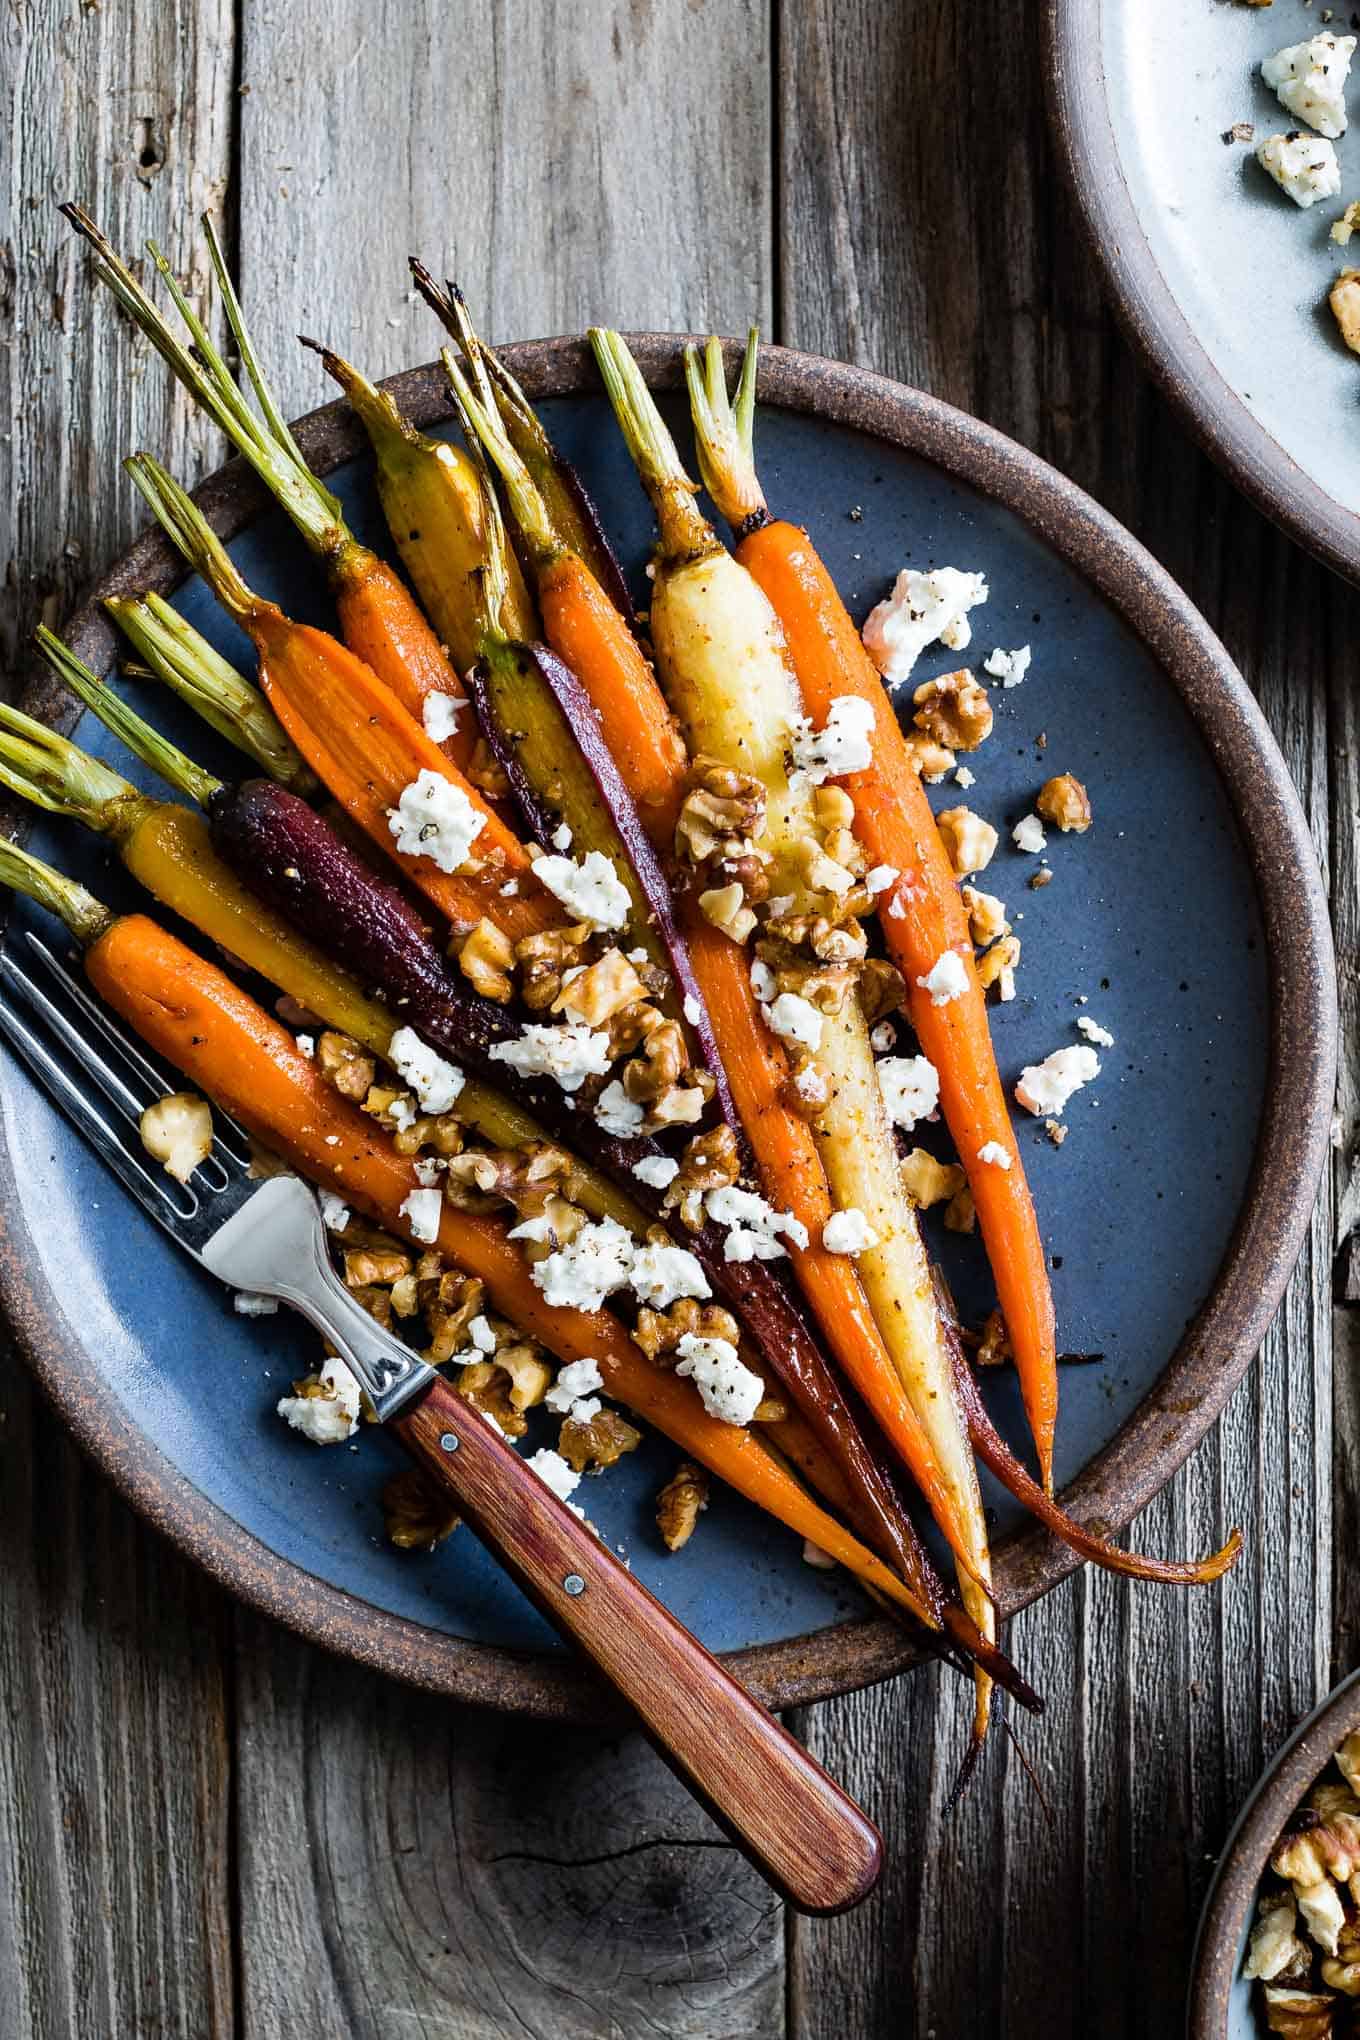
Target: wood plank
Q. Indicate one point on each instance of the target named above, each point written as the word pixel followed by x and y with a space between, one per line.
pixel 114 1767
pixel 451 1874
pixel 955 265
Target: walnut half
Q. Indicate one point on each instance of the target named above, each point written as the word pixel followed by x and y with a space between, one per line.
pixel 679 1503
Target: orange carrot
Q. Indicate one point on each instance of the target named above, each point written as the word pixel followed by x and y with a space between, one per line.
pixel 922 916
pixel 191 1013
pixel 384 625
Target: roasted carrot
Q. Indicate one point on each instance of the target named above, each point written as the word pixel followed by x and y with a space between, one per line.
pixel 922 915
pixel 356 736
pixel 379 617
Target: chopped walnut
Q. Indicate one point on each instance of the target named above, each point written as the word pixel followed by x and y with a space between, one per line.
pixel 660 1063
pixel 959 1213
pixel 721 817
pixel 986 915
pixel 725 907
pixel 486 960
pixel 1342 1976
pixel 1348 224
pixel 828 939
pixel 679 1503
pixel 524 1362
pixel 487 774
pixel 377 1302
pixel 709 1162
pixel 932 760
pixel 417 1512
pixel 443 1133
pixel 928 1182
pixel 659 1332
pixel 882 990
pixel 596 1443
pixel 970 841
pixel 382 1266
pixel 1056 1131
pixel 1063 801
pixel 770 1410
pixel 487 1387
pixel 450 1302
pixel 994 1347
pixel 1039 879
pixel 954 710
pixel 1297 2014
pixel 348 1068
pixel 528 1179
pixel 808 1090
pixel 602 989
pixel 997 966
pixel 1344 299
pixel 543 960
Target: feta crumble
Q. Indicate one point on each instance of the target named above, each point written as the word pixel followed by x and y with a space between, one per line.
pixel 1304 167
pixel 561 837
pixel 1046 1087
pixel 435 1082
pixel 813 1555
pixel 250 1303
pixel 762 980
pixel 616 1113
pixel 331 1417
pixel 434 818
pixel 795 1019
pixel 1309 80
pixel 1009 668
pixel 661 1275
pixel 578 1378
pixel 883 1037
pixel 848 1232
pixel 992 1151
pixel 910 1085
pixel 753 1225
pixel 922 609
pixel 880 877
pixel 947 979
pixel 843 746
pixel 553 1471
pixel 439 713
pixel 1094 1031
pixel 568 1054
pixel 658 1172
pixel 693 1011
pixel 591 890
pixel 421 1211
pixel 1028 834
pixel 305 1044
pixel 592 1266
pixel 729 1390
pixel 963 777
pixel 334 1211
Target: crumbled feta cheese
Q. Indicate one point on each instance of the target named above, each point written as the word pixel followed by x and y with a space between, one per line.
pixel 658 1172
pixel 581 1413
pixel 911 1088
pixel 561 837
pixel 762 980
pixel 616 1113
pixel 1028 834
pixel 250 1303
pixel 439 713
pixel 481 1334
pixel 568 1054
pixel 947 979
pixel 435 1082
pixel 591 890
pixel 794 1018
pixel 592 1266
pixel 730 1391
pixel 578 1378
pixel 1046 1087
pixel 1094 1031
pixel 813 1555
pixel 1309 80
pixel 661 1275
pixel 421 1211
pixel 921 609
pixel 334 1211
pixel 843 746
pixel 1303 167
pixel 402 1113
pixel 883 1037
pixel 880 878
pixel 428 1168
pixel 753 1225
pixel 328 1418
pixel 963 777
pixel 434 818
pixel 306 1045
pixel 992 1151
pixel 693 1011
pixel 509 890
pixel 1009 668
pixel 553 1471
pixel 848 1232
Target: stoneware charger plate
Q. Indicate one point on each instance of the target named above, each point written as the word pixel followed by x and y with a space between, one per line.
pixel 1220 1999
pixel 1191 918
pixel 1220 280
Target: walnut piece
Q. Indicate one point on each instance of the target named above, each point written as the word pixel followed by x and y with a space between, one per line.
pixel 986 915
pixel 487 1387
pixel 544 959
pixel 720 819
pixel 177 1132
pixel 882 990
pixel 1344 299
pixel 725 906
pixel 659 1332
pixel 417 1513
pixel 954 711
pixel 450 1302
pixel 994 1347
pixel 349 1069
pixel 486 960
pixel 928 1182
pixel 598 1442
pixel 960 1214
pixel 931 759
pixel 710 1162
pixel 602 989
pixel 382 1266
pixel 997 966
pixel 486 773
pixel 970 841
pixel 1297 2014
pixel 679 1503
pixel 1063 801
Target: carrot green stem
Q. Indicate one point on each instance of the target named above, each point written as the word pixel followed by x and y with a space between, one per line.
pixel 724 432
pixel 164 758
pixel 85 916
pixel 494 572
pixel 185 523
pixel 527 507
pixel 53 773
pixel 270 449
pixel 178 655
pixel 685 532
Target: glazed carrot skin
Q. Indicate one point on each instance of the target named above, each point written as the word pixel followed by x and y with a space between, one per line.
pixel 922 916
pixel 221 1040
pixel 383 625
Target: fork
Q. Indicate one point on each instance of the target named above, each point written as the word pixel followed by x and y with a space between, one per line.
pixel 807 1838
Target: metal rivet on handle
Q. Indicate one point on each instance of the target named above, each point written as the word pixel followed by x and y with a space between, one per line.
pixel 574 1584
pixel 448 1443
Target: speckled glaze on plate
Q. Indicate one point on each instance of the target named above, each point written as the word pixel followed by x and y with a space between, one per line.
pixel 1220 2005
pixel 1220 279
pixel 1174 1211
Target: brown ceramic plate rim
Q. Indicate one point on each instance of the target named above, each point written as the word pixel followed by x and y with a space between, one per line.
pixel 1226 428
pixel 1246 1852
pixel 1292 1145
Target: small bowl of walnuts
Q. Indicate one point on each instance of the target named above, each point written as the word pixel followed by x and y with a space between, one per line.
pixel 1278 1951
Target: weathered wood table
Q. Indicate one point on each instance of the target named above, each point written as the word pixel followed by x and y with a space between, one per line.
pixel 208 1828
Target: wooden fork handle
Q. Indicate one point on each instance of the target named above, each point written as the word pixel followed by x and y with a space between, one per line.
pixel 807 1839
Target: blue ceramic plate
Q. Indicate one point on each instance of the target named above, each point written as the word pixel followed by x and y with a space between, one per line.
pixel 1164 1238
